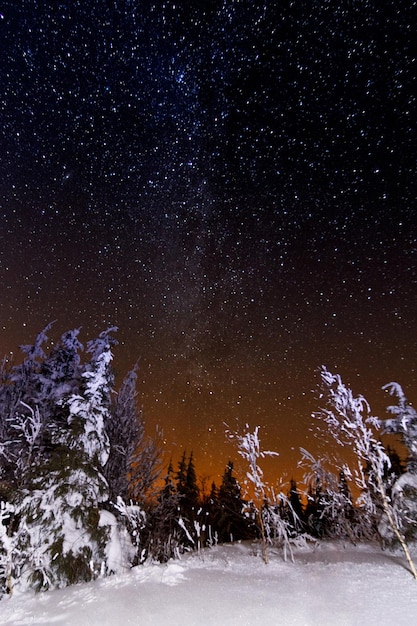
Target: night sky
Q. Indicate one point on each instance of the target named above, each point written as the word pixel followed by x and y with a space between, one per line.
pixel 232 183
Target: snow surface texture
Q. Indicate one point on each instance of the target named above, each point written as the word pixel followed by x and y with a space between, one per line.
pixel 332 584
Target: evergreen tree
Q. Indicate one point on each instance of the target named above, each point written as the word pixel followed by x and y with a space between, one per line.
pixel 60 532
pixel 125 429
pixel 25 377
pixel 181 475
pixel 191 492
pixel 231 523
pixel 61 438
pixel 189 500
pixel 60 371
pixel 404 423
pixel 145 467
pixel 18 411
pixel 164 538
pixel 402 485
pixel 330 511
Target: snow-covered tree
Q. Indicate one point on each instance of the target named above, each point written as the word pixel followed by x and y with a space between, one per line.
pixel 59 532
pixel 124 547
pixel 146 467
pixel 404 423
pixel 25 376
pixel 249 448
pixel 8 553
pixel 59 507
pixel 404 487
pixel 89 410
pixel 231 523
pixel 351 425
pixel 33 392
pixel 164 535
pixel 20 385
pixel 61 437
pixel 60 371
pixel 125 430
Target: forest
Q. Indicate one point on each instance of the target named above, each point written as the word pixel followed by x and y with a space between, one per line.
pixel 85 493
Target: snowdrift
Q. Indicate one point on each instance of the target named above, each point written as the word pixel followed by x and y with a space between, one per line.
pixel 331 584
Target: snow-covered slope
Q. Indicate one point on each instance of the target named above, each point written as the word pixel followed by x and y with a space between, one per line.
pixel 331 584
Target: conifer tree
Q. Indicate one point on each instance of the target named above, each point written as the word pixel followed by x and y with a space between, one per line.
pixel 19 389
pixel 60 534
pixel 125 429
pixel 145 467
pixel 164 535
pixel 192 492
pixel 181 475
pixel 231 524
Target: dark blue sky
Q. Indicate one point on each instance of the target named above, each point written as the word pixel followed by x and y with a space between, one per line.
pixel 231 183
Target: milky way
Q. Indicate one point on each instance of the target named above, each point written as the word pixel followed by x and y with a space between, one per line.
pixel 232 184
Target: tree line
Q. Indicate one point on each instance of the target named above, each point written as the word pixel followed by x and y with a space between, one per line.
pixel 83 493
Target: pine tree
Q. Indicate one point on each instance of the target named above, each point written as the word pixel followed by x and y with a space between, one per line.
pixel 89 410
pixel 31 400
pixel 189 504
pixel 164 538
pixel 192 492
pixel 125 429
pixel 145 467
pixel 231 524
pixel 60 371
pixel 20 387
pixel 60 532
pixel 181 475
pixel 25 377
pixel 404 423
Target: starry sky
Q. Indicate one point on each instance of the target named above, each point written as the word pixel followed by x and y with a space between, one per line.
pixel 232 183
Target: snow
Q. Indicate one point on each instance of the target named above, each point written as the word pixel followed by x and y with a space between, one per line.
pixel 117 547
pixel 331 584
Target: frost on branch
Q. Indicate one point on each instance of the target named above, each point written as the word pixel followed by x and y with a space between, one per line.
pixel 89 411
pixel 8 554
pixel 278 521
pixel 125 428
pixel 249 448
pixel 348 420
pixel 28 428
pixel 404 490
pixel 404 423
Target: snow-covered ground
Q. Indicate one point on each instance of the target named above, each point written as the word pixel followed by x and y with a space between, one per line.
pixel 333 584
